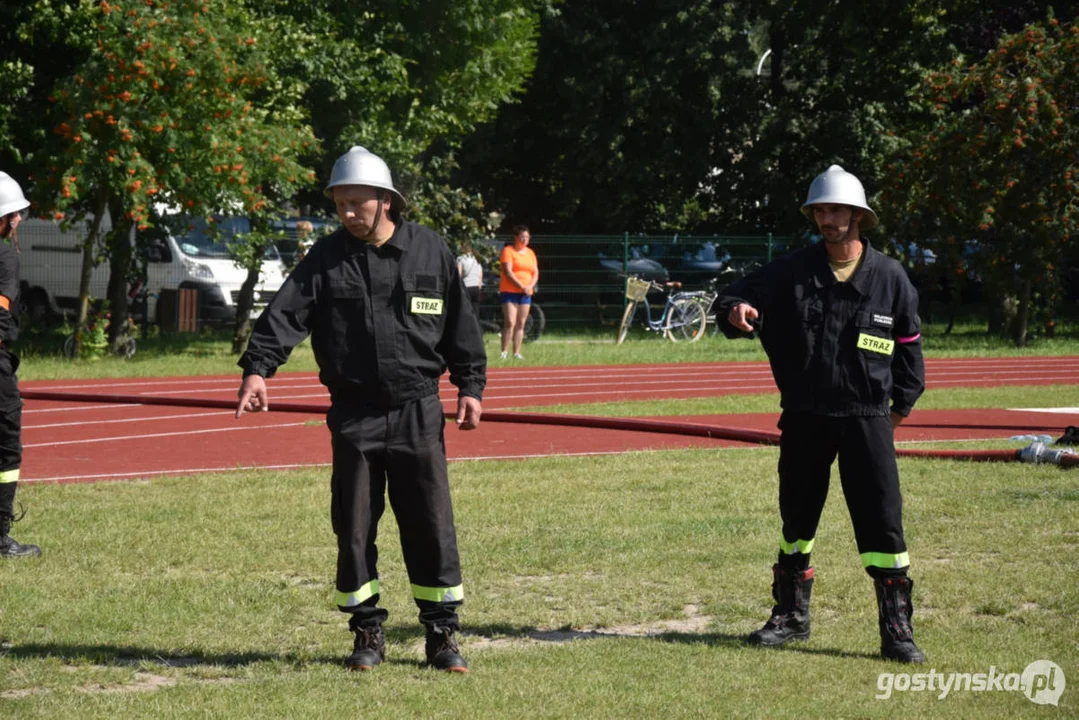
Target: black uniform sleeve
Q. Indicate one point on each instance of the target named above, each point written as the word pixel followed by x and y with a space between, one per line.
pixel 462 340
pixel 9 288
pixel 756 289
pixel 908 365
pixel 283 324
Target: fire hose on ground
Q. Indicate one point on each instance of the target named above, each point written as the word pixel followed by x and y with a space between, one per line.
pixel 1037 452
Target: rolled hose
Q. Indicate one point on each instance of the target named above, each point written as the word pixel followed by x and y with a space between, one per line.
pixel 1034 453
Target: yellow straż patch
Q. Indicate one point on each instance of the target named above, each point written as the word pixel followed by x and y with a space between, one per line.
pixel 426 306
pixel 872 343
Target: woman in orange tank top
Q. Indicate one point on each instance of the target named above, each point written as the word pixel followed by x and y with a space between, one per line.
pixel 520 273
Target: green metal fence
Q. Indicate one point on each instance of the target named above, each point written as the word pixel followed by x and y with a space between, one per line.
pixel 582 277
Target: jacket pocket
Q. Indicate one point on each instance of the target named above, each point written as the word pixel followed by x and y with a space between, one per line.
pixel 875 347
pixel 425 300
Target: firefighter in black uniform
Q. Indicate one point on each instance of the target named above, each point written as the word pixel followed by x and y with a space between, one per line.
pixel 12 204
pixel 839 322
pixel 387 314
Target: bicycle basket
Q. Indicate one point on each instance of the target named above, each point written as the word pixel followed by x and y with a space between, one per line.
pixel 636 288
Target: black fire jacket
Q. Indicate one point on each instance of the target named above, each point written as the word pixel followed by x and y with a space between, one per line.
pixel 385 322
pixel 840 349
pixel 9 288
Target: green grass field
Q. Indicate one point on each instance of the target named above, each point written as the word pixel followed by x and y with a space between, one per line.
pixel 597 587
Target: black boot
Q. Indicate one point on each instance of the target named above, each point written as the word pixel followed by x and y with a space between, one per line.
pixel 895 610
pixel 442 650
pixel 369 648
pixel 790 616
pixel 8 546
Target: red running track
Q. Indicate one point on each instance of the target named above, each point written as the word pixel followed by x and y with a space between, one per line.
pixel 73 441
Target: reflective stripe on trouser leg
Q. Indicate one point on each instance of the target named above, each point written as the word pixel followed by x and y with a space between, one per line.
pixel 401 449
pixel 419 492
pixel 358 488
pixel 798 547
pixel 870 478
pixel 807 448
pixel 10 431
pixel 346 600
pixel 887 561
pixel 439 595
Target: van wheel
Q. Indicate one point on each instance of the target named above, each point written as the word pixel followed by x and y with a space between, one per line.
pixel 37 306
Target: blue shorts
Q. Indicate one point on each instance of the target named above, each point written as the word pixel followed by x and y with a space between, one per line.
pixel 515 298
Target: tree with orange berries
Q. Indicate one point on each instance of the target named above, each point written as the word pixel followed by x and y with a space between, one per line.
pixel 173 107
pixel 999 164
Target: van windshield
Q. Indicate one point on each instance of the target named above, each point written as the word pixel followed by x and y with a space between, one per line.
pixel 198 238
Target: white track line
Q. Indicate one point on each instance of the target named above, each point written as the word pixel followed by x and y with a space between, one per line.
pixel 151 418
pixel 122 438
pixel 134 475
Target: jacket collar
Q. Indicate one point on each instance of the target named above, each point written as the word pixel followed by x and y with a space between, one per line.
pixel 823 275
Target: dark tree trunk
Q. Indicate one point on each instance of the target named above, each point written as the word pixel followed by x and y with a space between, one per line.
pixel 1022 315
pixel 120 257
pixel 89 255
pixel 244 305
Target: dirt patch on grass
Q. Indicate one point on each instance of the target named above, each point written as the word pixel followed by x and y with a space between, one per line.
pixel 693 622
pixel 22 693
pixel 141 682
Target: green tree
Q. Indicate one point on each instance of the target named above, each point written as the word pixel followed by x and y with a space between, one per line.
pixel 408 79
pixel 618 125
pixel 1000 163
pixel 172 103
pixel 654 117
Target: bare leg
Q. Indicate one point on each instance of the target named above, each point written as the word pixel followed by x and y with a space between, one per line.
pixel 519 327
pixel 509 322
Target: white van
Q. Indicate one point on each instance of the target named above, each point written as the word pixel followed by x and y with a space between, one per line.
pixel 182 255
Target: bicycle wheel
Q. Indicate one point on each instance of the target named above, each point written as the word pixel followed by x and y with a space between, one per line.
pixel 535 323
pixel 126 348
pixel 627 320
pixel 686 320
pixel 69 346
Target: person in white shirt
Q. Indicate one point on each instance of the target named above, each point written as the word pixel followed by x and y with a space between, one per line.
pixel 471 271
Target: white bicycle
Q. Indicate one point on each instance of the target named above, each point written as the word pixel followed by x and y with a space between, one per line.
pixel 684 316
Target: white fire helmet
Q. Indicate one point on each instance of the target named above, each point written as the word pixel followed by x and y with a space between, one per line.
pixel 11 197
pixel 360 166
pixel 836 186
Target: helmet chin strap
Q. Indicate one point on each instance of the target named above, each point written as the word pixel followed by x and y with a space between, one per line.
pixel 371 236
pixel 10 232
pixel 850 226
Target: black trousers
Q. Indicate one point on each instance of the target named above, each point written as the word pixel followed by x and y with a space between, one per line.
pixel 400 452
pixel 10 430
pixel 808 446
pixel 473 293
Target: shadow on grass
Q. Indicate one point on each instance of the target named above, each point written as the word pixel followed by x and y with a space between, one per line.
pixel 495 633
pixel 475 636
pixel 129 656
pixel 740 641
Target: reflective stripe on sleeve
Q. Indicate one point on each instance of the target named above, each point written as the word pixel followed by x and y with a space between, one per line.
pixel 354 598
pixel 443 594
pixel 905 340
pixel 9 476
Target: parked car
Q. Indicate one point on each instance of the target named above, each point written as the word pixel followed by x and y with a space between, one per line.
pixel 180 254
pixel 300 234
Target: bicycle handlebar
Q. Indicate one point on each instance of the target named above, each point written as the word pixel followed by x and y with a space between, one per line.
pixel 668 286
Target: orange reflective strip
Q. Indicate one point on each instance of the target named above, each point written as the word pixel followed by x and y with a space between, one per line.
pixel 5 303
